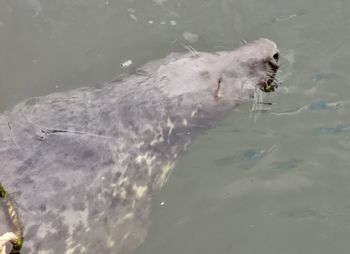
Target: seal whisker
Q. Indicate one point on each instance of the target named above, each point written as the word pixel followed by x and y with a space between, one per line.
pixel 243 42
pixel 62 131
pixel 257 104
pixel 190 49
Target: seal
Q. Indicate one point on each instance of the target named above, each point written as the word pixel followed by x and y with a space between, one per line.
pixel 82 166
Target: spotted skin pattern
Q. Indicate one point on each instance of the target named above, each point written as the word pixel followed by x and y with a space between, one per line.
pixel 84 165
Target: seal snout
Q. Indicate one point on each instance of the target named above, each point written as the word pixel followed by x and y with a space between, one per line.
pixel 273 65
pixel 262 60
pixel 269 84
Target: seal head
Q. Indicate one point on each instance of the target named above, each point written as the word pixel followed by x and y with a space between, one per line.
pixel 265 62
pixel 252 66
pixel 218 81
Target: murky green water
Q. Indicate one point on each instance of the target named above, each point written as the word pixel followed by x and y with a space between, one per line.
pixel 279 184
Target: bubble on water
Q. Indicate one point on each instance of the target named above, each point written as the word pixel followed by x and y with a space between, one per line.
pixel 190 37
pixel 310 92
pixel 36 5
pixel 159 2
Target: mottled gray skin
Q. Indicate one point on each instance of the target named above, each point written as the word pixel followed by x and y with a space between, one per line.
pixel 83 165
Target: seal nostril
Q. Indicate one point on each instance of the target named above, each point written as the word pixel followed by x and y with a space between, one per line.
pixel 276 56
pixel 273 66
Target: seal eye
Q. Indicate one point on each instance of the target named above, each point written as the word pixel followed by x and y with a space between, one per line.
pixel 276 56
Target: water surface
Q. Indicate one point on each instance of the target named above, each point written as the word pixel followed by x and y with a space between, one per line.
pixel 279 184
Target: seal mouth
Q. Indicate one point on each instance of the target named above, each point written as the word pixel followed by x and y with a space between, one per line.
pixel 270 84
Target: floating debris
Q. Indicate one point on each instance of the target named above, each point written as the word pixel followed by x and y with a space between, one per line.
pixel 6 238
pixel 16 237
pixel 126 64
pixel 132 16
pixel 173 22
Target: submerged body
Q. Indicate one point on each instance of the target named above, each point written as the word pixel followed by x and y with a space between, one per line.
pixel 83 166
